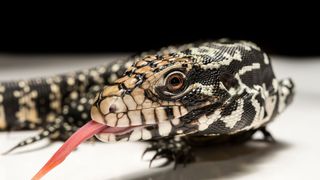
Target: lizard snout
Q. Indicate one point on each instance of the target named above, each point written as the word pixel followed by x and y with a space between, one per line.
pixel 107 110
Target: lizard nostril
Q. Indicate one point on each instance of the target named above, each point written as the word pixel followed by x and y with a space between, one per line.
pixel 112 108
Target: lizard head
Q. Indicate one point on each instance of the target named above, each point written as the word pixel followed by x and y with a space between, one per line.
pixel 161 96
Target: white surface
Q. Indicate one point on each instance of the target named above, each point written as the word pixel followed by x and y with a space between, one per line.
pixel 295 156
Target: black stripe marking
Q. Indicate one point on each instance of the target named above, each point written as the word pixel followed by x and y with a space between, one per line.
pixel 155 115
pixel 247 116
pixel 231 107
pixel 169 112
pixel 143 120
pixel 217 127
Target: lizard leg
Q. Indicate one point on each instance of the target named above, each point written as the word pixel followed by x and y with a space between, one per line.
pixel 46 132
pixel 58 130
pixel 173 149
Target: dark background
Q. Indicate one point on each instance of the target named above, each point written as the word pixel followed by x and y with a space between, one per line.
pixel 105 31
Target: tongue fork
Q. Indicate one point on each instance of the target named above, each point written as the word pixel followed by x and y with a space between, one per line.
pixel 84 133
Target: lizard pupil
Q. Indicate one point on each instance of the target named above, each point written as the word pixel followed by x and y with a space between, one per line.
pixel 175 81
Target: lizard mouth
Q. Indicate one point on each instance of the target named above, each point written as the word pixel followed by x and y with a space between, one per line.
pixel 112 134
pixel 117 130
pixel 109 133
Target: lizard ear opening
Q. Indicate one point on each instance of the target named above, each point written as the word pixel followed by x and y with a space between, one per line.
pixel 228 80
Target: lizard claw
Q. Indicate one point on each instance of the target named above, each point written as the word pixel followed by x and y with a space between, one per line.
pixel 149 149
pixel 267 136
pixel 163 154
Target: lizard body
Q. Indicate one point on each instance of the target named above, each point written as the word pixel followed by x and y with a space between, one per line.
pixel 178 96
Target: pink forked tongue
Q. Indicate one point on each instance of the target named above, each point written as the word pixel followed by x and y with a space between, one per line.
pixel 84 133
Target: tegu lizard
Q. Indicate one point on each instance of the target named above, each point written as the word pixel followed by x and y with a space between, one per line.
pixel 174 98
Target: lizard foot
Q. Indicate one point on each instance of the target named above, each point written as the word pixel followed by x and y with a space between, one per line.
pixel 174 150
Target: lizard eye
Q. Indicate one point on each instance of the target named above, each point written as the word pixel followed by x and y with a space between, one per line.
pixel 175 81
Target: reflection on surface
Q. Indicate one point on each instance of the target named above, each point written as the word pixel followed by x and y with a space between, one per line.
pixel 224 161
